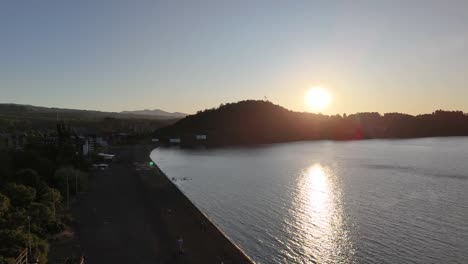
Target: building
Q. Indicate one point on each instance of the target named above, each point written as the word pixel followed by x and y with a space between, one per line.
pixel 89 144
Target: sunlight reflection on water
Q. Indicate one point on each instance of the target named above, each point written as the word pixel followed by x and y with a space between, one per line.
pixel 318 212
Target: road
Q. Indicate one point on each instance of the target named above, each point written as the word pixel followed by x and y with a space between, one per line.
pixel 115 222
pixel 136 216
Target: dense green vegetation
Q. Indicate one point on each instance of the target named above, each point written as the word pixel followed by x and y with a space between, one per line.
pixel 33 185
pixel 260 122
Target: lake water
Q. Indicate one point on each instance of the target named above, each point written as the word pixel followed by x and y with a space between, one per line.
pixel 374 201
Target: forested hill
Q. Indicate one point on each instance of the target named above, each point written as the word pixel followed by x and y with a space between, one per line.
pixel 259 122
pixel 15 117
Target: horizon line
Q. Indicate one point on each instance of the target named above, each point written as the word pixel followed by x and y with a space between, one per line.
pixel 215 107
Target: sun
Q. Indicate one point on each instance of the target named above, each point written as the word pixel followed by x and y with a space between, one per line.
pixel 317 98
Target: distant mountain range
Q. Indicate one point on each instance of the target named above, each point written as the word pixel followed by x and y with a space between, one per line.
pixel 155 112
pixel 20 109
pixel 22 117
pixel 18 117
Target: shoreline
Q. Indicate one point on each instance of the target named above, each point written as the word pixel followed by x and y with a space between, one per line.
pixel 206 218
pixel 213 241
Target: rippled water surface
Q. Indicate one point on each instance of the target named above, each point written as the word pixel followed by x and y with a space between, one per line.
pixel 375 201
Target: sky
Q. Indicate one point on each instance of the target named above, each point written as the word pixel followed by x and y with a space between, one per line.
pixel 372 56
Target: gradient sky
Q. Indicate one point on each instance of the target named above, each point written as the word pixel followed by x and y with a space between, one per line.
pixel 385 56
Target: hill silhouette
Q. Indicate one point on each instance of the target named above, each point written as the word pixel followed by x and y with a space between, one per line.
pixel 261 122
pixel 155 112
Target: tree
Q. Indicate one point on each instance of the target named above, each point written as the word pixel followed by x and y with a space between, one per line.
pixel 6 260
pixel 33 159
pixel 20 195
pixel 40 248
pixel 77 180
pixel 5 165
pixel 4 205
pixel 41 218
pixel 50 197
pixel 29 177
pixel 12 241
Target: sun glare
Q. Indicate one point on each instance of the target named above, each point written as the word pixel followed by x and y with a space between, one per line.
pixel 317 99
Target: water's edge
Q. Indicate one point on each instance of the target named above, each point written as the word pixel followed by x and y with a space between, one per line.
pixel 206 218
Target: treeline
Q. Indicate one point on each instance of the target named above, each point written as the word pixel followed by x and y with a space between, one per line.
pixel 260 122
pixel 33 191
